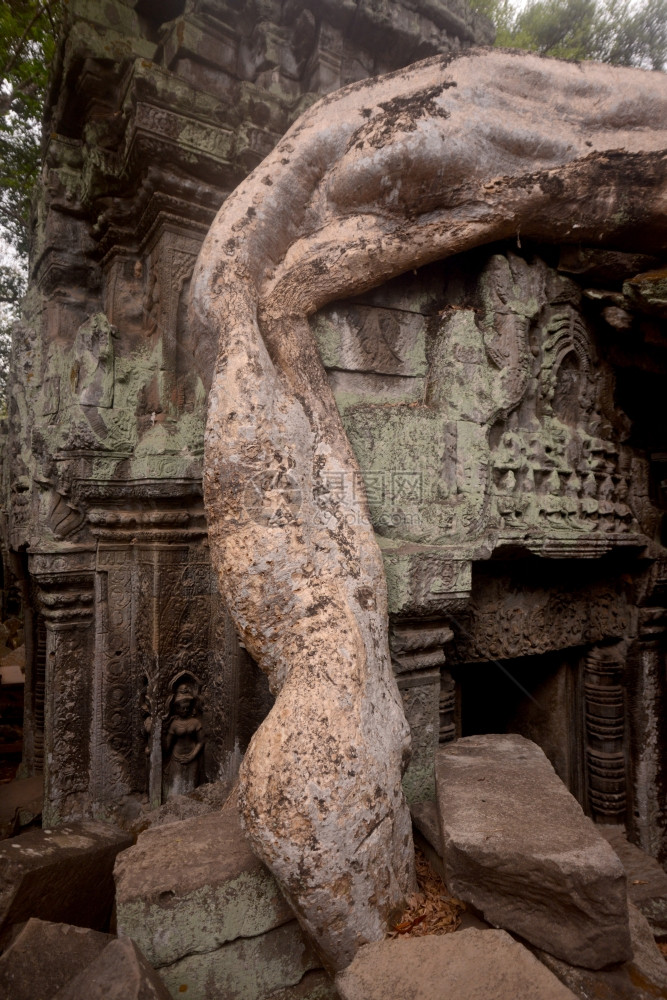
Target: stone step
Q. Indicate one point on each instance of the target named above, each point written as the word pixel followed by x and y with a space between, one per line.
pixel 207 913
pixel 518 847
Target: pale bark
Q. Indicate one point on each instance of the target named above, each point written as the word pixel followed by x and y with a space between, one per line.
pixel 380 177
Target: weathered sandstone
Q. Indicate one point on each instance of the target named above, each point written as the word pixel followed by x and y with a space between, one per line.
pixel 517 846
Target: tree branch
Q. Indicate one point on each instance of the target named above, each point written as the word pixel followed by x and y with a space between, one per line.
pixel 9 66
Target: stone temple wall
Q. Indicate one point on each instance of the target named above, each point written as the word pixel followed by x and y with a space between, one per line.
pixel 157 111
pixel 506 409
pixel 509 443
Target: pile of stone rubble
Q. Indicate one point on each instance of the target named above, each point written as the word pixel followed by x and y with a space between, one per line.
pixel 188 910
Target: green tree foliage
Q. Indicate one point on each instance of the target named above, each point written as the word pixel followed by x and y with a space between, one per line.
pixel 27 41
pixel 28 30
pixel 612 31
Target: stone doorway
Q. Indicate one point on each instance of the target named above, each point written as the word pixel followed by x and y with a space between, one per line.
pixel 538 697
pixel 573 703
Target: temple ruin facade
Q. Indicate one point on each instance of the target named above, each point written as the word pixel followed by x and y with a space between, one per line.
pixel 505 407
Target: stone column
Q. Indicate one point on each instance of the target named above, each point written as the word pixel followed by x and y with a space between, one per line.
pixel 447 708
pixel 647 822
pixel 417 656
pixel 604 705
pixel 115 731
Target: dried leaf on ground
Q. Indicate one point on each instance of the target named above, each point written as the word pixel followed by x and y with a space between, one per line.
pixel 431 910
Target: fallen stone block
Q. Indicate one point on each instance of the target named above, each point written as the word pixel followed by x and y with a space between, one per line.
pixel 244 969
pixel 207 913
pixel 45 956
pixel 64 875
pixel 647 879
pixel 467 965
pixel 642 978
pixel 120 972
pixel 517 846
pixel 425 820
pixel 190 886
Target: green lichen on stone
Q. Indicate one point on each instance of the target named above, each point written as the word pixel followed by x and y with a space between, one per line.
pixel 244 969
pixel 204 919
pixel 91 402
pixel 419 781
pixel 460 380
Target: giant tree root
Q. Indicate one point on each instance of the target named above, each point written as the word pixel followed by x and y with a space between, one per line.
pixel 380 177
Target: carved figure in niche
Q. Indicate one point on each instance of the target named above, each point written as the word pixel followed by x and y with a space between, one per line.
pixel 183 740
pixel 93 369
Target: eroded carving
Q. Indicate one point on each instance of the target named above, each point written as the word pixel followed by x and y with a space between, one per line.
pixel 183 739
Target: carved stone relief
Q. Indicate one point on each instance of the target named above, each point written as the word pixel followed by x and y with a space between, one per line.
pixel 512 437
pixel 183 737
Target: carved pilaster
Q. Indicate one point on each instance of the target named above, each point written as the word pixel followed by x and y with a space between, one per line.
pixel 63 663
pixel 418 655
pixel 604 703
pixel 159 618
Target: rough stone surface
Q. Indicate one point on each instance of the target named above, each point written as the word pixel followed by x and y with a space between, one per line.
pixel 120 972
pixel 425 818
pixel 63 875
pixel 517 845
pixel 372 181
pixel 315 985
pixel 647 879
pixel 207 798
pixel 244 969
pixel 641 978
pixel 45 956
pixel 207 913
pixel 468 965
pixel 188 887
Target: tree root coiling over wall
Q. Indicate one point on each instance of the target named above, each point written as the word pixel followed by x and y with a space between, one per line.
pixel 383 176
